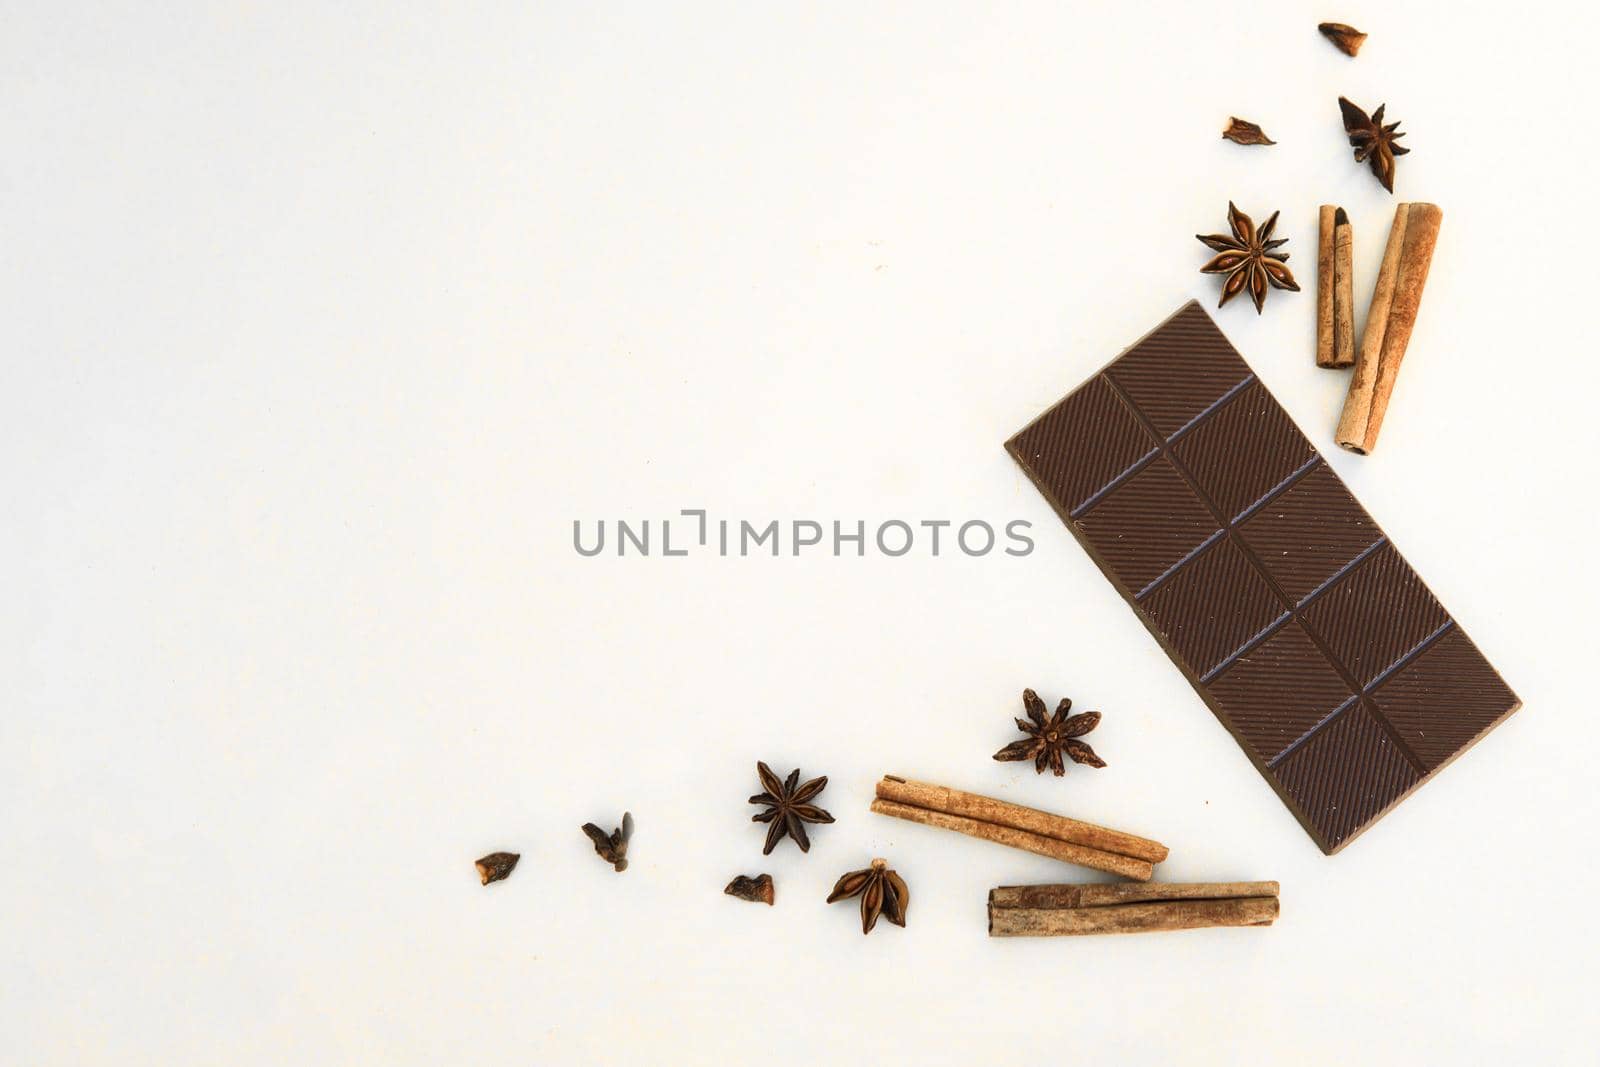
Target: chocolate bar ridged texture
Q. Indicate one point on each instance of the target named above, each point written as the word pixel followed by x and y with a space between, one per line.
pixel 1284 604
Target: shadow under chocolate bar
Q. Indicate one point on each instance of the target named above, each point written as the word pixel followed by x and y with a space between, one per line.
pixel 1279 598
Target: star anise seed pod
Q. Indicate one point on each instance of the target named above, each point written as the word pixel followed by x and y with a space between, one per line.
pixel 882 892
pixel 612 847
pixel 1051 735
pixel 788 809
pixel 1373 141
pixel 1248 258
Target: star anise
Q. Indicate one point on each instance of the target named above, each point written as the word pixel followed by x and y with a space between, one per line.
pixel 612 847
pixel 787 807
pixel 1248 259
pixel 882 891
pixel 1373 141
pixel 1051 735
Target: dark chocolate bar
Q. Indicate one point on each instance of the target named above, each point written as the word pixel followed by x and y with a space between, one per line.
pixel 1278 597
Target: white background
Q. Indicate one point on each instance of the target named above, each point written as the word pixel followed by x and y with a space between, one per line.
pixel 324 322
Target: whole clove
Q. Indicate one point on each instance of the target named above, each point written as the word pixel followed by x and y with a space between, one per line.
pixel 612 847
pixel 497 865
pixel 757 890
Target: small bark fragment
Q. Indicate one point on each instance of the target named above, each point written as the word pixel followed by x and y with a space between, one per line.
pixel 757 890
pixel 497 865
pixel 1346 39
pixel 1241 132
pixel 612 847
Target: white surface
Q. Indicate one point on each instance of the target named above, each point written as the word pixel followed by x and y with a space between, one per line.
pixel 323 325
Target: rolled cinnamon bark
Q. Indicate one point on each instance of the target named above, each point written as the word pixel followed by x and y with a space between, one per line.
pixel 1390 319
pixel 1095 859
pixel 1344 311
pixel 990 810
pixel 1091 896
pixel 1325 245
pixel 1336 346
pixel 1132 918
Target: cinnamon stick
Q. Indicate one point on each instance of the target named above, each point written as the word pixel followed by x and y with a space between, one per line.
pixel 1043 823
pixel 1096 859
pixel 1336 346
pixel 1344 310
pixel 1132 918
pixel 1090 896
pixel 1390 319
pixel 1325 246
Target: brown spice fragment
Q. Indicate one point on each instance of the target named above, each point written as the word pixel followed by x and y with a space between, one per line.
pixel 882 892
pixel 1241 132
pixel 612 847
pixel 757 890
pixel 497 865
pixel 1346 39
pixel 1373 141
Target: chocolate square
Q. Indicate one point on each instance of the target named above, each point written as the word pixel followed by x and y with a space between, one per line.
pixel 1345 775
pixel 1309 533
pixel 1179 371
pixel 1083 443
pixel 1278 692
pixel 1146 525
pixel 1212 606
pixel 1375 615
pixel 1443 700
pixel 1244 451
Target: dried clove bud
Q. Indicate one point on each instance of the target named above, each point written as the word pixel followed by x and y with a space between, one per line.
pixel 497 865
pixel 1241 132
pixel 757 890
pixel 1346 39
pixel 612 847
